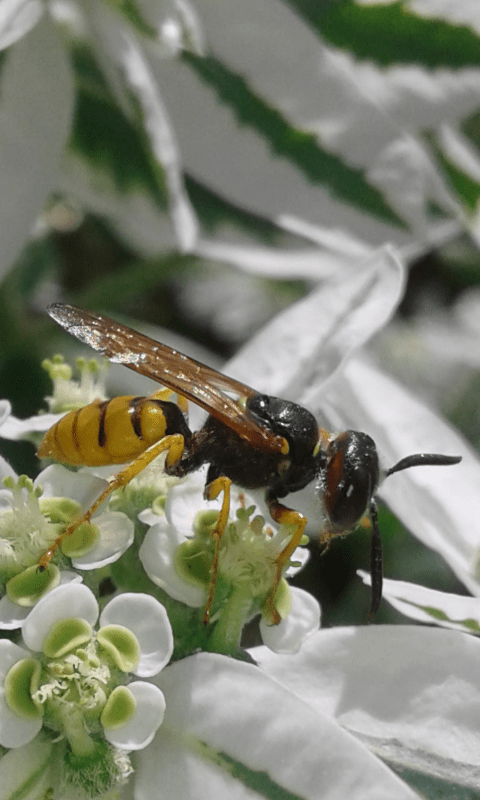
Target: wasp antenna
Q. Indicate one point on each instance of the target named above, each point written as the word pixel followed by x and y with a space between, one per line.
pixel 376 563
pixel 423 459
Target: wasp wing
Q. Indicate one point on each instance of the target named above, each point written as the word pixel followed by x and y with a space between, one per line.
pixel 202 385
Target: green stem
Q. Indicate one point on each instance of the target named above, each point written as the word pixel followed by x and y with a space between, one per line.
pixel 226 634
pixel 73 723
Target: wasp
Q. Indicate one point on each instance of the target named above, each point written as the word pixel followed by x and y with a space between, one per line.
pixel 251 439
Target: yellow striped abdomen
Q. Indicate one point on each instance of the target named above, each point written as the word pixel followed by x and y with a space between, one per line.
pixel 108 432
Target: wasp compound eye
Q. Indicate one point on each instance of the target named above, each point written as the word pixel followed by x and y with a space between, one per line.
pixel 350 478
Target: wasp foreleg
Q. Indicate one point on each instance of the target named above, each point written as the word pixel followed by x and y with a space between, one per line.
pixel 283 516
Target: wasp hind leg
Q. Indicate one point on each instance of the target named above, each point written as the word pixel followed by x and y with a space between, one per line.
pixel 283 516
pixel 165 395
pixel 174 444
pixel 212 490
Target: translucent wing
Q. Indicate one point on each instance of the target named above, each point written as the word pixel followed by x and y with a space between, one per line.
pixel 202 385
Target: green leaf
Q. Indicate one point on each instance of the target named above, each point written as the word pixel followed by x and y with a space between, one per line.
pixel 105 137
pixel 347 184
pixel 129 9
pixel 215 210
pixel 391 33
pixel 465 186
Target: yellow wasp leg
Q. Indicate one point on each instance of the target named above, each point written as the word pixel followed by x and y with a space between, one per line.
pixel 164 394
pixel 221 484
pixel 174 444
pixel 284 516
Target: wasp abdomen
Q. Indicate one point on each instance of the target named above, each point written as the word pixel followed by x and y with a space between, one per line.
pixel 111 431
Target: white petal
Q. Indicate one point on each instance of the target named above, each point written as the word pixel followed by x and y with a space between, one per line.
pixel 12 615
pixel 5 411
pixel 116 536
pixel 302 621
pixel 69 576
pixel 148 717
pixel 14 731
pixel 58 481
pixel 16 19
pixel 72 600
pixel 37 107
pixel 184 502
pixel 6 470
pixel 10 653
pixel 148 620
pixel 16 429
pixel 157 553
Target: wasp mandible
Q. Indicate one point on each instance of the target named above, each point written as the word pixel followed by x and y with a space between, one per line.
pixel 255 441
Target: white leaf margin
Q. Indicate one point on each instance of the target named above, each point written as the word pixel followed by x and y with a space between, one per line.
pixel 412 693
pixel 446 610
pixel 227 711
pixel 35 119
pixel 17 18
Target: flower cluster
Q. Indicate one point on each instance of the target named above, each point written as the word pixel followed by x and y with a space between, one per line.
pixel 113 686
pixel 68 673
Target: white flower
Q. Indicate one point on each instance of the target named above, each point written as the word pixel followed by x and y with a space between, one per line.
pixel 74 681
pixel 178 547
pixel 33 514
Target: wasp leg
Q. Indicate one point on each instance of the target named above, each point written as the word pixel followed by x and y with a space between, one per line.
pixel 174 444
pixel 286 516
pixel 212 490
pixel 376 563
pixel 165 394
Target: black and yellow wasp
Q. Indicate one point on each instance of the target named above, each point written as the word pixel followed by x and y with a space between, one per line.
pixel 252 440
